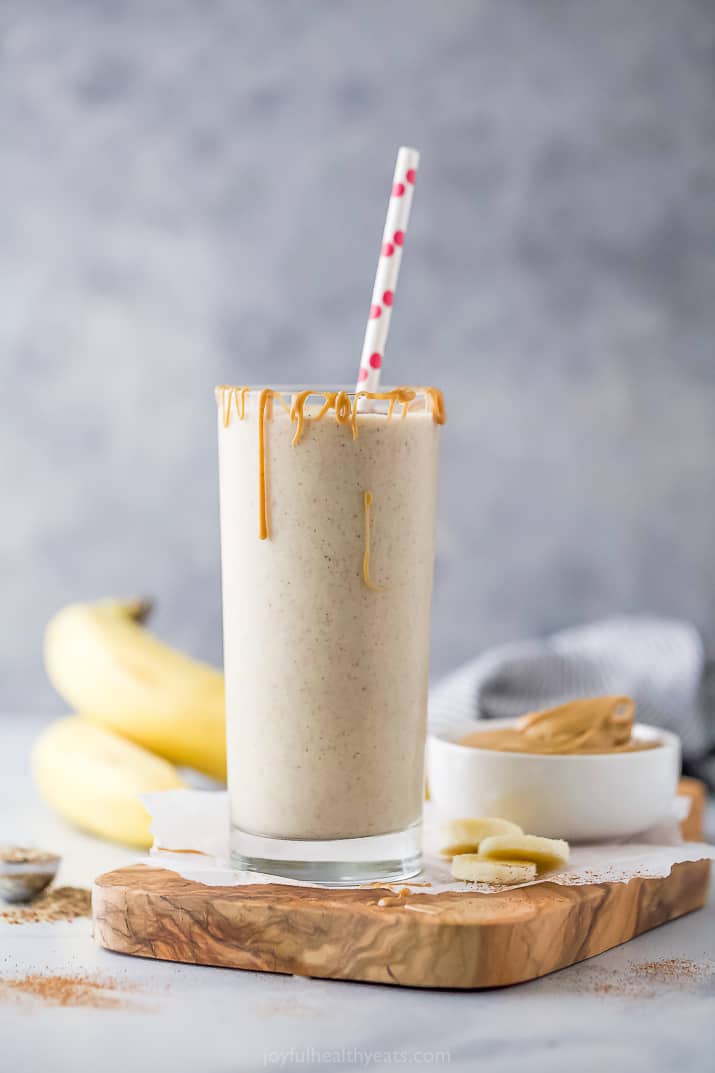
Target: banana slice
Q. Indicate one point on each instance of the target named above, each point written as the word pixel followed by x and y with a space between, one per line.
pixel 546 853
pixel 474 867
pixel 466 835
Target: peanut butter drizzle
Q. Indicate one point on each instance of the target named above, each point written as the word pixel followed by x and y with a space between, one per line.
pixel 346 413
pixel 225 395
pixel 437 400
pixel 589 725
pixel 278 396
pixel 297 414
pixel 391 900
pixel 223 398
pixel 264 398
pixel 367 500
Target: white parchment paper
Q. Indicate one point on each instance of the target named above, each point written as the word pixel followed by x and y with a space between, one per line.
pixel 190 829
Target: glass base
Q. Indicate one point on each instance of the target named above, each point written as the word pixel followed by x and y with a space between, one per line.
pixel 344 862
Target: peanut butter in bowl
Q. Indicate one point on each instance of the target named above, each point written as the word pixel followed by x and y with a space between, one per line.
pixel 583 771
pixel 587 726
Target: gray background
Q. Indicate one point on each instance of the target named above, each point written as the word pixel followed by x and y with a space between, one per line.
pixel 194 192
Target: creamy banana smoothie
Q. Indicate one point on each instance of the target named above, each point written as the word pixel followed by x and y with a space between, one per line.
pixel 327 537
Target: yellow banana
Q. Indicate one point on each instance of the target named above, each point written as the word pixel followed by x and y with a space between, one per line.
pixel 93 777
pixel 111 670
pixel 545 853
pixel 465 835
pixel 479 870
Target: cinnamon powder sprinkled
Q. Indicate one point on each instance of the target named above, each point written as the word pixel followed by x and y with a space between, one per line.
pixel 85 991
pixel 640 980
pixel 674 971
pixel 57 903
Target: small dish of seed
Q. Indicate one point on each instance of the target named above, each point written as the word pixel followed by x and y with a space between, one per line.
pixel 24 872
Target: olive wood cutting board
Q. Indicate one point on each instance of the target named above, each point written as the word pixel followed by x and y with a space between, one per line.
pixel 455 940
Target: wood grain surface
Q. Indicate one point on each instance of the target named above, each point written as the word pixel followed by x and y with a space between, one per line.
pixel 450 940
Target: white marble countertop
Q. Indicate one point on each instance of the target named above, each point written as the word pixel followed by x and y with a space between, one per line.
pixel 614 1012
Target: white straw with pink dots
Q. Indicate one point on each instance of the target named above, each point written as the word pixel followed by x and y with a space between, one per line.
pixel 388 268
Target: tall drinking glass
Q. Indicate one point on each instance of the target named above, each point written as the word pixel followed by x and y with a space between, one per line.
pixel 327 545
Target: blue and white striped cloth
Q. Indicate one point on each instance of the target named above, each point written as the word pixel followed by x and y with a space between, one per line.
pixel 659 662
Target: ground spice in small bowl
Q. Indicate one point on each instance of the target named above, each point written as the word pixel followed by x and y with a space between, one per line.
pixel 22 855
pixel 25 872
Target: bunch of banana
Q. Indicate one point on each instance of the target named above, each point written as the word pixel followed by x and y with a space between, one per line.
pixel 144 707
pixel 487 849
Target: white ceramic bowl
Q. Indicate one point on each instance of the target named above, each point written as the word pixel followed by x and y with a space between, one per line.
pixel 580 798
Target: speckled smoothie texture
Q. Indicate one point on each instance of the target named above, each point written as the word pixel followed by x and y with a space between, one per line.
pixel 326 680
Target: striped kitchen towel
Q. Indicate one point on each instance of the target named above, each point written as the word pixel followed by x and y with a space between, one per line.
pixel 659 662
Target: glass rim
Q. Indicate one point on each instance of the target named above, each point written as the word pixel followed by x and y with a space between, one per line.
pixel 323 389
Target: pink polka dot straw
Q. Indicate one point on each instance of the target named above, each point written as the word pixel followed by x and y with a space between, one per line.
pixel 388 269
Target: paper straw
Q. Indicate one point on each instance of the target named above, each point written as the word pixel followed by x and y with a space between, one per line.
pixel 388 269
